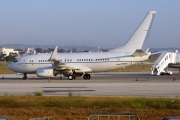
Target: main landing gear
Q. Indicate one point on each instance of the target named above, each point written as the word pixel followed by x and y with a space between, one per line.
pixel 87 77
pixel 73 76
pixel 25 76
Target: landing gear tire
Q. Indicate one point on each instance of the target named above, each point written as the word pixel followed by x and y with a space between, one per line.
pixel 71 77
pixel 87 77
pixel 25 76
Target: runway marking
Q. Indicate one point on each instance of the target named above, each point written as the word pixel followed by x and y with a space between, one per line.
pixel 54 91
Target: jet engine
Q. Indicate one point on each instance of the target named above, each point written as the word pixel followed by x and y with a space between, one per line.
pixel 46 72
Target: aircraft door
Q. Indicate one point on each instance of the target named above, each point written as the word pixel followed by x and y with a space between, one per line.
pixel 24 63
pixel 118 61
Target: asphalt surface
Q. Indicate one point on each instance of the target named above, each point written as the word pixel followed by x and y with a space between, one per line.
pixel 102 84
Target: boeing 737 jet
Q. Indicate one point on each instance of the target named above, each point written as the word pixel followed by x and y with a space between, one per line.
pixel 72 65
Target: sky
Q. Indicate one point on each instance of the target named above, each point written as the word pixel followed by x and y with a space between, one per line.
pixel 104 23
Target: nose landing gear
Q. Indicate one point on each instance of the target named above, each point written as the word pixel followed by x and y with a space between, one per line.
pixel 25 76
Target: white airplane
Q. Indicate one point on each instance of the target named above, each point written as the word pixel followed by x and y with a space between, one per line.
pixel 72 65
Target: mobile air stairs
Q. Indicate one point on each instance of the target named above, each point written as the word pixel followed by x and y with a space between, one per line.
pixel 160 66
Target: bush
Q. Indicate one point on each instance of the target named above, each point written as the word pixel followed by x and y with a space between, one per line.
pixel 37 93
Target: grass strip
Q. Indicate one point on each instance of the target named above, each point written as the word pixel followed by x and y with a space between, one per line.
pixel 88 102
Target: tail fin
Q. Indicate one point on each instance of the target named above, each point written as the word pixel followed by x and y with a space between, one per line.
pixel 137 39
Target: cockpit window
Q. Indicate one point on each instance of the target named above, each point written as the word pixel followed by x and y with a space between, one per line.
pixel 15 61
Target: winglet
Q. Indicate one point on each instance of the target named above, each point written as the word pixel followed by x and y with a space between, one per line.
pixel 53 55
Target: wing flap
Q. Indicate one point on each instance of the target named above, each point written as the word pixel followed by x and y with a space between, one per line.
pixel 77 68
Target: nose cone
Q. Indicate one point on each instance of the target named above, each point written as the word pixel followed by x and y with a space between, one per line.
pixel 10 66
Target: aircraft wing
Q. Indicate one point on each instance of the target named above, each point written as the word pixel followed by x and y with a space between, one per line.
pixel 66 66
pixel 77 68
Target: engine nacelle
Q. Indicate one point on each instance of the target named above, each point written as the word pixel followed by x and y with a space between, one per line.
pixel 46 72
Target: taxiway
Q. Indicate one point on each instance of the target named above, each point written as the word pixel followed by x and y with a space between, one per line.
pixel 101 84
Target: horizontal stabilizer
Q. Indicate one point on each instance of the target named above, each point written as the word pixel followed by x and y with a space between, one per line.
pixel 139 52
pixel 160 52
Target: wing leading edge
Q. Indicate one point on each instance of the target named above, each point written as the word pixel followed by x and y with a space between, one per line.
pixel 63 66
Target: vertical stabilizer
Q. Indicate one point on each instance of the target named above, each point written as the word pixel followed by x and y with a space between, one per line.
pixel 137 39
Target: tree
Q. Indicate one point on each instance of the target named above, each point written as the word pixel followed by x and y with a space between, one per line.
pixel 39 50
pixel 50 50
pixel 19 50
pixel 61 50
pixel 69 51
pixel 86 50
pixel 105 50
pixel 74 50
pixel 2 57
pixel 11 57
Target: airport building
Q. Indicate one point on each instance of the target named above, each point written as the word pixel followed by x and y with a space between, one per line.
pixel 30 51
pixel 7 51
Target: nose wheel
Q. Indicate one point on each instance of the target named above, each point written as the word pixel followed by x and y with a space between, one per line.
pixel 25 76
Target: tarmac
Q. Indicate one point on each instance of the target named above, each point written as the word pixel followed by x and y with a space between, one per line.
pixel 102 84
